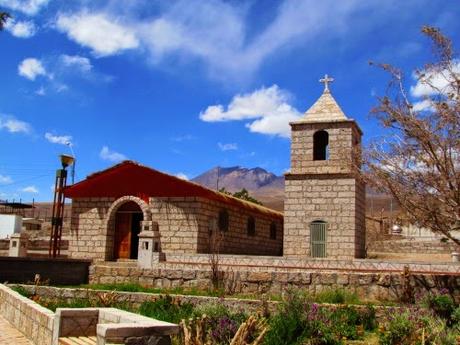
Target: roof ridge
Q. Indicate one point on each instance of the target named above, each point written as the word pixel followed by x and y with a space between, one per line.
pixel 325 109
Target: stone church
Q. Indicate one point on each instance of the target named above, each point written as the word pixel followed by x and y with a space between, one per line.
pixel 131 211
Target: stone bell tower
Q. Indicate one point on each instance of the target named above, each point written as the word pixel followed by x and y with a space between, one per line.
pixel 324 208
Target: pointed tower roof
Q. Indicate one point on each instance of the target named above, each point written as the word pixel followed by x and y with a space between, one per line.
pixel 325 108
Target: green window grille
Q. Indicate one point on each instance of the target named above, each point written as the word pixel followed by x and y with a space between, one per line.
pixel 318 239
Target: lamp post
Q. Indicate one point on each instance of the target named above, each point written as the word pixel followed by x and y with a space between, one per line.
pixel 58 206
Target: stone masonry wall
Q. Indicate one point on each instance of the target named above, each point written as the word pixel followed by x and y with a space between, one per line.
pixel 412 246
pixel 236 240
pixel 177 223
pixel 333 200
pixel 342 137
pixel 369 286
pixel 183 225
pixel 33 320
pixel 88 240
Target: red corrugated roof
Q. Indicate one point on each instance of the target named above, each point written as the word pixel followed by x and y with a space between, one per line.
pixel 132 178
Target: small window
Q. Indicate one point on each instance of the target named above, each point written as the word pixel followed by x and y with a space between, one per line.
pixel 321 146
pixel 251 226
pixel 223 220
pixel 273 231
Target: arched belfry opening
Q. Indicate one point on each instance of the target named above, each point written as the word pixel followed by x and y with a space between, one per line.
pixel 320 146
pixel 128 220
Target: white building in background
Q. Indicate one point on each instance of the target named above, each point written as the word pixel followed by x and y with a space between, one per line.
pixel 10 224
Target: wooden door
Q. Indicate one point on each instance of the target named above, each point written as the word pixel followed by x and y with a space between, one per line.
pixel 122 246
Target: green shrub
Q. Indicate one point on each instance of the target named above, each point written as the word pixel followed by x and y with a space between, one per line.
pixel 442 305
pixel 218 310
pixel 22 291
pixel 288 324
pixel 166 309
pixel 456 317
pixel 398 330
pixel 298 321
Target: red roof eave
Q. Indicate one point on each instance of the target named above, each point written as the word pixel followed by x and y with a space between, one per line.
pixel 132 178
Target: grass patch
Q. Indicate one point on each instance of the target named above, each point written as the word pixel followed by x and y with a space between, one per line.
pixel 130 287
pixel 167 309
pixel 337 296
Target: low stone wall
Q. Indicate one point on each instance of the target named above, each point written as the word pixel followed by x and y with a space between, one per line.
pixel 33 320
pixel 382 286
pixel 135 299
pixel 412 246
pixel 274 263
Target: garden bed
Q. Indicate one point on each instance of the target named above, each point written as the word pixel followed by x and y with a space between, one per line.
pixel 297 319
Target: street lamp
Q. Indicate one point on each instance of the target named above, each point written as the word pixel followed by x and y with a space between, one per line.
pixel 58 205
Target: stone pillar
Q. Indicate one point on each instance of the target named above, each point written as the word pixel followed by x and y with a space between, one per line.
pixel 18 245
pixel 149 246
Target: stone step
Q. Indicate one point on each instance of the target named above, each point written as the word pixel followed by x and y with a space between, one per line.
pixel 131 263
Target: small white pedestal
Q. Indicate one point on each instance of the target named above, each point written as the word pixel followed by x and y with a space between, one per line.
pixel 18 245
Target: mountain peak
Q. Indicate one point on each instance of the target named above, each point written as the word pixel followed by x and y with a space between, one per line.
pixel 261 184
pixel 236 178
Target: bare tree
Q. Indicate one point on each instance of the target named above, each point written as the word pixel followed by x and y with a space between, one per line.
pixel 4 16
pixel 215 240
pixel 417 160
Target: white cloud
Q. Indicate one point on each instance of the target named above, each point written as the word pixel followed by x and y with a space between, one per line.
pixel 216 32
pixel 76 61
pixel 30 189
pixel 103 34
pixel 29 7
pixel 267 108
pixel 112 156
pixel 424 105
pixel 434 82
pixel 5 179
pixel 227 147
pixel 182 176
pixel 40 91
pixel 30 68
pixel 21 29
pixel 14 125
pixel 59 139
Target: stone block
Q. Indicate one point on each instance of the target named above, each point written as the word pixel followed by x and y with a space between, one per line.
pixel 259 276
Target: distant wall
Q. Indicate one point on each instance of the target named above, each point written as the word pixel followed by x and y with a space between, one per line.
pixel 412 246
pixel 57 271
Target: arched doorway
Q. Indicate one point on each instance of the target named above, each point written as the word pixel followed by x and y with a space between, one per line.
pixel 127 228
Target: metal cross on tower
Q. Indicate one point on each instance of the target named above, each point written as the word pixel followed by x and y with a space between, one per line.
pixel 326 80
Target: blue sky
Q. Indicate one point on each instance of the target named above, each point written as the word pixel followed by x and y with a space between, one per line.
pixel 183 86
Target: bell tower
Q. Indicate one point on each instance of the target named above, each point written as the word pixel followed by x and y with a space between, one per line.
pixel 324 208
